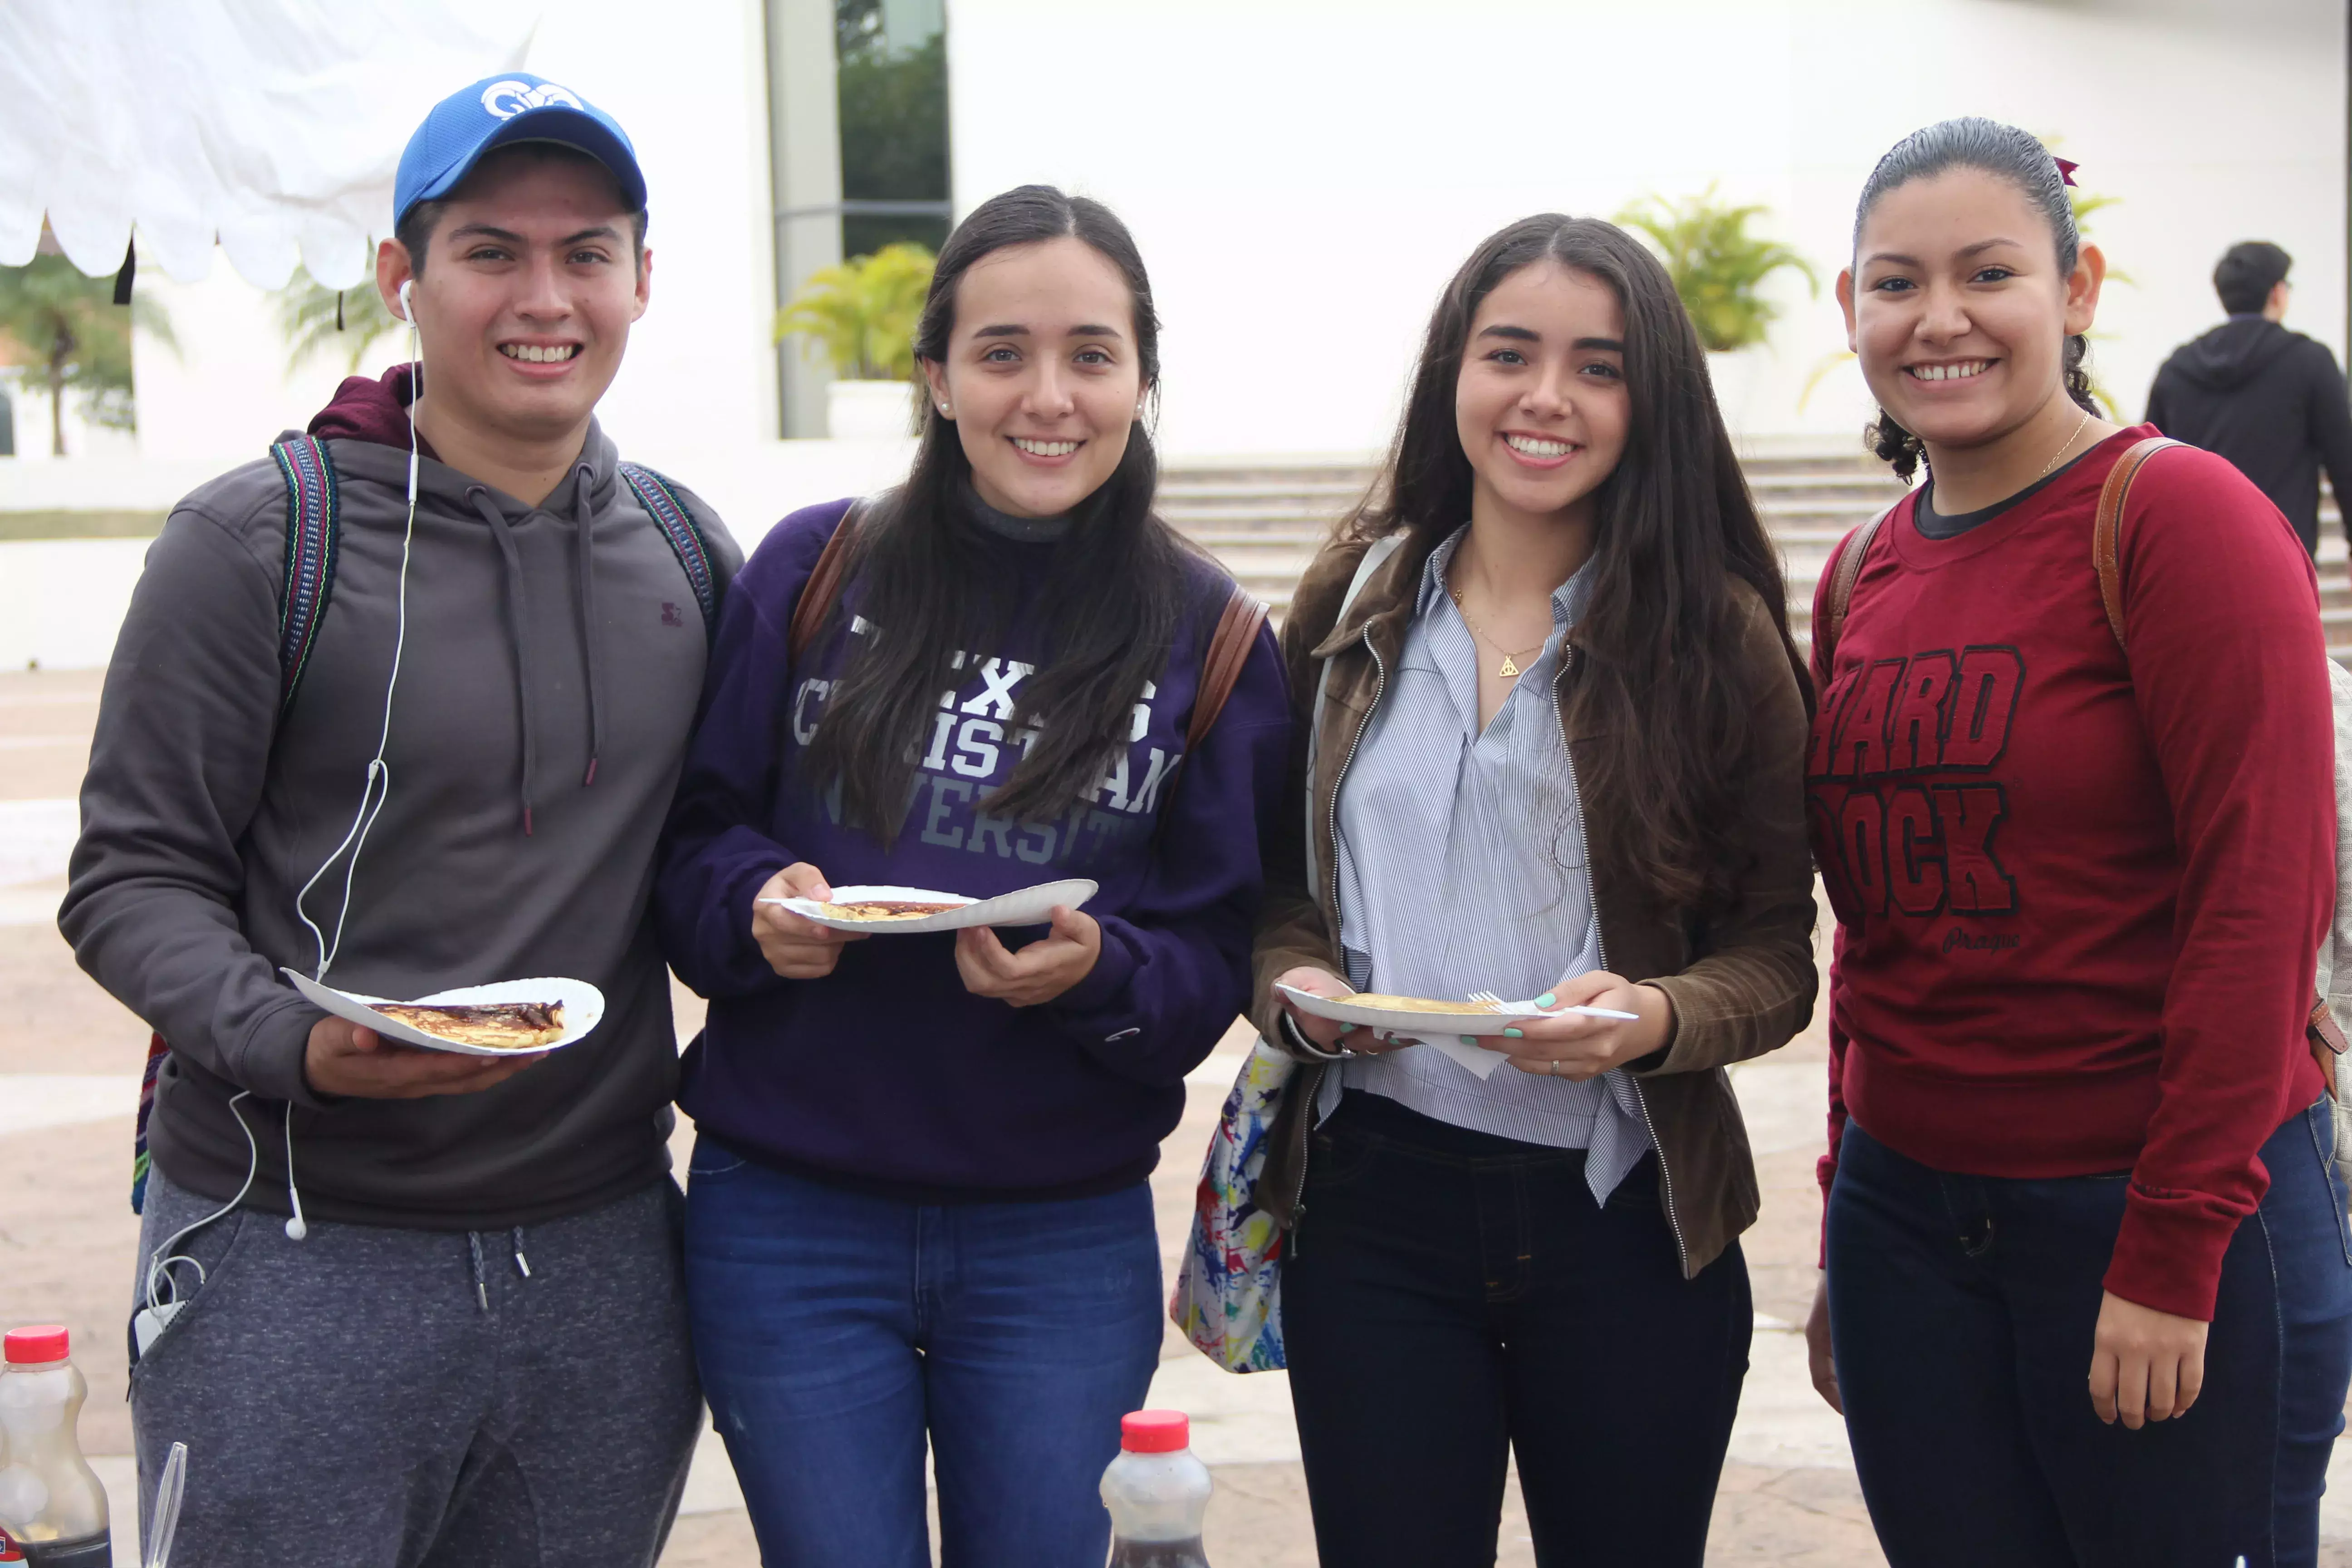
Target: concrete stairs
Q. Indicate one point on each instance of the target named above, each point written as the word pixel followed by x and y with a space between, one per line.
pixel 1266 518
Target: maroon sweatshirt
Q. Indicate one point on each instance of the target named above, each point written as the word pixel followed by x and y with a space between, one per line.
pixel 2079 900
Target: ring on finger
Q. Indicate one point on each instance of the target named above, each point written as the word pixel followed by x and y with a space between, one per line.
pixel 1551 1068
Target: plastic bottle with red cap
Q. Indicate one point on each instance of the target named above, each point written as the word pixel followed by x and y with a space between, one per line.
pixel 50 1502
pixel 1157 1493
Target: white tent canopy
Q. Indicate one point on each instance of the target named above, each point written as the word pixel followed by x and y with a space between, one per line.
pixel 271 126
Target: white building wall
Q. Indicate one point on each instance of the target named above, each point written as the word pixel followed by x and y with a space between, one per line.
pixel 1304 178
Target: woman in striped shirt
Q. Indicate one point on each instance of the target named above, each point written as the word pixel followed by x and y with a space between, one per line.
pixel 1559 756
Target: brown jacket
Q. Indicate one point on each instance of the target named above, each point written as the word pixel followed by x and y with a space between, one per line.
pixel 1742 985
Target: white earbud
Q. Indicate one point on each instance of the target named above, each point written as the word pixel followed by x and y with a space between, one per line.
pixel 407 306
pixel 296 1228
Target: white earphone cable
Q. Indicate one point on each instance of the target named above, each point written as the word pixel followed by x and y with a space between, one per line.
pixel 378 788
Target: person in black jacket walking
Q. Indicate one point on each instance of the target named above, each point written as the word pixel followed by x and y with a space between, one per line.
pixel 2271 401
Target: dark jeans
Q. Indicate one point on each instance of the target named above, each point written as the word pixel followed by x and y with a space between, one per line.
pixel 836 1330
pixel 1453 1296
pixel 1962 1309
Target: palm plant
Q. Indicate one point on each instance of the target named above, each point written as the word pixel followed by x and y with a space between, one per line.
pixel 863 312
pixel 1718 267
pixel 313 317
pixel 67 331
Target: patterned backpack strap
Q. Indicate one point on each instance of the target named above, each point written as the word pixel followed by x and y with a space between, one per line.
pixel 156 1051
pixel 661 500
pixel 311 535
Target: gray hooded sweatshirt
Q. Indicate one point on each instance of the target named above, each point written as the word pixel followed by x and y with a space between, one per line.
pixel 554 660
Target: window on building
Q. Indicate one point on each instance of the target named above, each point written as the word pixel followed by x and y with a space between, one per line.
pixel 892 56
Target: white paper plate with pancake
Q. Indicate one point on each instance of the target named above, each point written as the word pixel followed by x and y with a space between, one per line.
pixel 875 909
pixel 1409 1015
pixel 582 1009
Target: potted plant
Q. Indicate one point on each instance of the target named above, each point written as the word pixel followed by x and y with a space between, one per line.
pixel 1719 269
pixel 862 313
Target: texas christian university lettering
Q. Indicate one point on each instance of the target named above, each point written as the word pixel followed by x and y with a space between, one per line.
pixel 1914 831
pixel 972 747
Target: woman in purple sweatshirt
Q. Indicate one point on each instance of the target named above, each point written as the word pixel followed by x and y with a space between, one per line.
pixel 918 1202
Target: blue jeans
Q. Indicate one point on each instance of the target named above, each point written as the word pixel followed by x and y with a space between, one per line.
pixel 834 1330
pixel 1961 1312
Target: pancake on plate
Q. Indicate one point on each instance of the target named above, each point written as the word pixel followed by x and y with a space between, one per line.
pixel 493 1026
pixel 888 910
pixel 1413 1003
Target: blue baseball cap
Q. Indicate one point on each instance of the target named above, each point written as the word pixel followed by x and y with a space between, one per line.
pixel 498 112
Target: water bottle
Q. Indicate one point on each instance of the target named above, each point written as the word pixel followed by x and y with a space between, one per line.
pixel 50 1502
pixel 1157 1493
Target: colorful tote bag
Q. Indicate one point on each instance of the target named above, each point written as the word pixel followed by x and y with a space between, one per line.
pixel 1228 1297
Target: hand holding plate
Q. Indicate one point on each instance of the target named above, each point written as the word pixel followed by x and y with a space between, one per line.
pixel 343 1059
pixel 795 947
pixel 1039 972
pixel 1579 1047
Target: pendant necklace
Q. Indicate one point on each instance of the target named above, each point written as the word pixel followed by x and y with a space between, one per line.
pixel 1509 669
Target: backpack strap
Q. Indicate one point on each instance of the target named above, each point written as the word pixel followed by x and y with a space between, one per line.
pixel 311 536
pixel 2319 1028
pixel 2107 528
pixel 1851 556
pixel 156 1051
pixel 1229 650
pixel 823 584
pixel 659 497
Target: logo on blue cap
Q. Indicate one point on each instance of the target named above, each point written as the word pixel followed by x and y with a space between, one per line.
pixel 509 98
pixel 498 112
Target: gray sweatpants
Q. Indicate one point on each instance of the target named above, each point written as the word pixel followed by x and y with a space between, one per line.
pixel 373 1398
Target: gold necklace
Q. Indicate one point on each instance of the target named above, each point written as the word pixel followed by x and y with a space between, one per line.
pixel 1509 669
pixel 2061 452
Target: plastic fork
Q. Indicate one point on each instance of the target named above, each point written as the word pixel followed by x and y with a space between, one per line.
pixel 1493 1001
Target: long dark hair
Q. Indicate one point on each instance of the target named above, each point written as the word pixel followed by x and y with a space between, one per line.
pixel 2005 152
pixel 934 584
pixel 1660 712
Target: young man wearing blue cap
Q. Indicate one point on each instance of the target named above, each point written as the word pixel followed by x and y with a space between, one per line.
pixel 402 707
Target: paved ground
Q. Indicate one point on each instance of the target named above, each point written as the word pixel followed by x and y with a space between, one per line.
pixel 69 1062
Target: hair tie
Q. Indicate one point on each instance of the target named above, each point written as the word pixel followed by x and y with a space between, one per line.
pixel 2066 168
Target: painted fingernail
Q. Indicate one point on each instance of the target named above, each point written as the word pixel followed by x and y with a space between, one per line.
pixel 1512 1035
pixel 1469 1039
pixel 1544 1000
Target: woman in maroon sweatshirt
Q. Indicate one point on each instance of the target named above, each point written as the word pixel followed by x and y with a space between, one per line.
pixel 2089 1282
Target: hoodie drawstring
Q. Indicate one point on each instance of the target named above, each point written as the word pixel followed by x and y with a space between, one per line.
pixel 522 1264
pixel 584 576
pixel 583 517
pixel 519 630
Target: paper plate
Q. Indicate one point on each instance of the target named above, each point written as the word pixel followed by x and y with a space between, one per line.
pixel 583 1009
pixel 1029 907
pixel 1347 1010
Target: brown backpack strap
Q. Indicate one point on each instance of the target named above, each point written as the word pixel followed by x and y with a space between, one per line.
pixel 1229 650
pixel 2319 1028
pixel 2107 528
pixel 1849 570
pixel 823 584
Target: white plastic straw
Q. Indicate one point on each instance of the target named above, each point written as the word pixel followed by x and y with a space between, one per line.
pixel 166 1522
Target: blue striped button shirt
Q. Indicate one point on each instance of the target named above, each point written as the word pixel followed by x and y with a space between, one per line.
pixel 1461 867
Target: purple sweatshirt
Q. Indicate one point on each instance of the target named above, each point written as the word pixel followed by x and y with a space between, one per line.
pixel 888 1073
